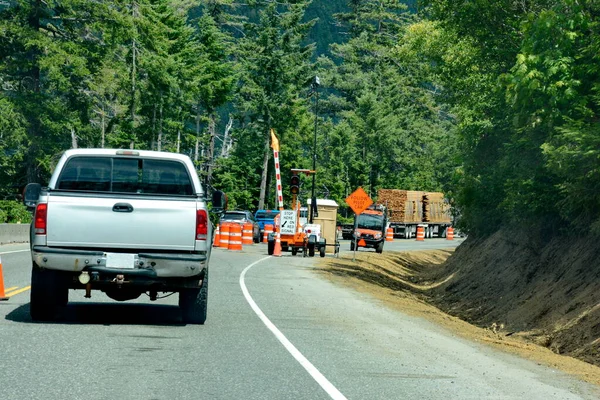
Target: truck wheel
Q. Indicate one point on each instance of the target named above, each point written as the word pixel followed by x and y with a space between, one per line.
pixel 193 303
pixel 47 294
pixel 322 251
pixel 271 247
pixel 311 250
pixel 294 251
pixel 379 248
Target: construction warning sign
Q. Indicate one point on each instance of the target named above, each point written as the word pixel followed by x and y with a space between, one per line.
pixel 359 201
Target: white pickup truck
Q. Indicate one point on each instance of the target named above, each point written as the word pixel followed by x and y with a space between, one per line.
pixel 125 222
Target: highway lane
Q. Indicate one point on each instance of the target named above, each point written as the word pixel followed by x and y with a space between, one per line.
pixel 101 349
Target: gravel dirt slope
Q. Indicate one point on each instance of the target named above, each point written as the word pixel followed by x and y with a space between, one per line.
pixel 543 305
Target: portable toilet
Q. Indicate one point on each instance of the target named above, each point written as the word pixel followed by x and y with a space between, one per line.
pixel 327 210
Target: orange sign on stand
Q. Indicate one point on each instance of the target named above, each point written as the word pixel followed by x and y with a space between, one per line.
pixel 359 201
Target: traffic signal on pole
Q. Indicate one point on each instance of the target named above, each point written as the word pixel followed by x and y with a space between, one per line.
pixel 295 184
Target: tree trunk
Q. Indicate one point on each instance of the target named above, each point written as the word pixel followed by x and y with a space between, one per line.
pixel 103 126
pixel 263 177
pixel 197 134
pixel 33 172
pixel 179 130
pixel 160 125
pixel 133 74
pixel 226 139
pixel 73 139
pixel 154 138
pixel 211 147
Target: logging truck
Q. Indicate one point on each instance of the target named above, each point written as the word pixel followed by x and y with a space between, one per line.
pixel 408 209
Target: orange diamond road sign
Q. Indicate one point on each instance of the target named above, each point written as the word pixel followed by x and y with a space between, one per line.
pixel 359 201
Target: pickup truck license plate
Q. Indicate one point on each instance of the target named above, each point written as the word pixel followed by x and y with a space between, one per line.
pixel 120 260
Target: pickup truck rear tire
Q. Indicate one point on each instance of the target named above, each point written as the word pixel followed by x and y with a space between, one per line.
pixel 194 304
pixel 48 293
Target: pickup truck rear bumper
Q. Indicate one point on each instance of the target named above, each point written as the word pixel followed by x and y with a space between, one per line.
pixel 143 264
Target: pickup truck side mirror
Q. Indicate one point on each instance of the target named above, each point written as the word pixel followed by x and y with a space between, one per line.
pixel 32 194
pixel 219 201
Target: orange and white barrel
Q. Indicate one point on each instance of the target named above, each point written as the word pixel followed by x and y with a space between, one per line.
pixel 450 233
pixel 217 238
pixel 420 233
pixel 248 233
pixel 224 241
pixel 235 237
pixel 389 235
pixel 268 230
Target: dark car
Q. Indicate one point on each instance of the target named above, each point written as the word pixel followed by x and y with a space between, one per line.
pixel 241 217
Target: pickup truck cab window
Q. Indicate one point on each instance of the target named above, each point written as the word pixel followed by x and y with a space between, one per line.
pixel 125 175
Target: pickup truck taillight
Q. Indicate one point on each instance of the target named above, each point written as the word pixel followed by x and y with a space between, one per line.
pixel 41 213
pixel 201 224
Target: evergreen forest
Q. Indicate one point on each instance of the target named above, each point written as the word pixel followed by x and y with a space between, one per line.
pixel 494 103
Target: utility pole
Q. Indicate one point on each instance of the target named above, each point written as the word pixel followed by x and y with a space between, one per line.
pixel 313 201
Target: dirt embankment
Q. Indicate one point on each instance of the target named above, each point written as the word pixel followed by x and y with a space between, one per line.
pixel 525 295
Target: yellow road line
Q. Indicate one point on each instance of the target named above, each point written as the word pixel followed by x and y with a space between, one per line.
pixel 18 291
pixel 10 288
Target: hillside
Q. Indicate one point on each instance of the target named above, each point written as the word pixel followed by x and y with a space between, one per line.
pixel 520 290
pixel 546 292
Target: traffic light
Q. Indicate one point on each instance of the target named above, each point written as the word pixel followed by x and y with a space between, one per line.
pixel 295 184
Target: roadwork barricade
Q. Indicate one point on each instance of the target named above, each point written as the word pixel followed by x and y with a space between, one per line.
pixel 268 230
pixel 235 237
pixel 248 233
pixel 224 240
pixel 450 233
pixel 420 233
pixel 389 235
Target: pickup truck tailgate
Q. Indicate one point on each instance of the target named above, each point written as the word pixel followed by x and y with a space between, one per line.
pixel 113 222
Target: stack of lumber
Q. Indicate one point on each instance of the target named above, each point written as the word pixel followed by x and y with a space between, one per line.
pixel 409 206
pixel 437 208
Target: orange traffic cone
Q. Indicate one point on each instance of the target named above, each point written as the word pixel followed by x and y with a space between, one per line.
pixel 277 249
pixel 450 233
pixel 217 238
pixel 2 293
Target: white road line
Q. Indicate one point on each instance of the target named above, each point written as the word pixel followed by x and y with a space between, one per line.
pixel 15 251
pixel 331 390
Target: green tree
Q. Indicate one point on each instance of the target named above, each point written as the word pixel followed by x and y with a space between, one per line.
pixel 274 66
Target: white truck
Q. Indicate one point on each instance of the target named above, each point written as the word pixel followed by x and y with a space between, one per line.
pixel 125 222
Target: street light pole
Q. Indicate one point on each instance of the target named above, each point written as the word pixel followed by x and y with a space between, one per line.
pixel 313 200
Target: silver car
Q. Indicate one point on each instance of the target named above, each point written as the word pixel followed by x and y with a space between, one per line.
pixel 241 217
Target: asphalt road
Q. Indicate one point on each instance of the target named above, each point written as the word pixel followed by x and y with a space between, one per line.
pixel 275 330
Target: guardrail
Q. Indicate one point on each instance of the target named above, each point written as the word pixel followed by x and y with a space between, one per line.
pixel 14 233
